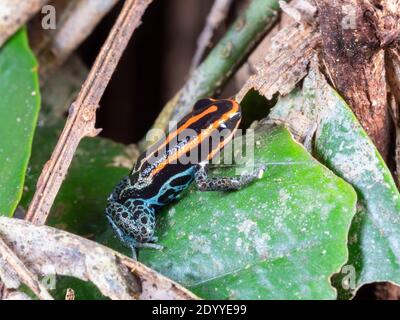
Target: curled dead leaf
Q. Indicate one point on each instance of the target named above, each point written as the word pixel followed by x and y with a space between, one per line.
pixel 48 251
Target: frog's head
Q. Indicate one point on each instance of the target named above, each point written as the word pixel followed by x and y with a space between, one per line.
pixel 134 218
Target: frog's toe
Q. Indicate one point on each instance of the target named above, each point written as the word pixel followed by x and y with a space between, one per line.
pixel 260 172
pixel 150 246
pixel 134 254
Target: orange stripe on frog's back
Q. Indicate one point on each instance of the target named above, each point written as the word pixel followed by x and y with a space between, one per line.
pixel 200 138
pixel 175 133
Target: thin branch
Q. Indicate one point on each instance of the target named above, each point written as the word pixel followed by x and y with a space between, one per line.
pixel 70 294
pixel 82 117
pixel 217 15
pixel 302 11
pixel 25 276
pixel 223 60
pixel 75 23
pixel 18 295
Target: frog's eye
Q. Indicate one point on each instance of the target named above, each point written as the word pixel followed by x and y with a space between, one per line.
pixel 203 103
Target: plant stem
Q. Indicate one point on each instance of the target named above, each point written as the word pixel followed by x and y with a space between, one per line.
pixel 217 15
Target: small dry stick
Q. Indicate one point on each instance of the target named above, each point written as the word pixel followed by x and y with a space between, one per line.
pixel 82 116
pixel 70 294
pixel 76 21
pixel 24 275
pixel 217 14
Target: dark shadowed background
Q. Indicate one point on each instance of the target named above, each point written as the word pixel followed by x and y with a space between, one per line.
pixel 154 67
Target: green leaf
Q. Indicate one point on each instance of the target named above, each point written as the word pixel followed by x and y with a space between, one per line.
pixel 342 144
pixel 19 107
pixel 280 238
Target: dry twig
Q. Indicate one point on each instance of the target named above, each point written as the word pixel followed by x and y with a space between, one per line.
pixel 223 60
pixel 70 294
pixel 75 23
pixel 17 295
pixel 258 54
pixel 216 16
pixel 81 120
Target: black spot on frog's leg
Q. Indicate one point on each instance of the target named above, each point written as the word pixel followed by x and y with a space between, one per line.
pixel 181 181
pixel 114 210
pixel 136 215
pixel 122 185
pixel 168 196
pixel 140 222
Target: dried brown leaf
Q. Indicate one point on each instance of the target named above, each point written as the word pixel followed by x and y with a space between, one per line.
pixel 47 251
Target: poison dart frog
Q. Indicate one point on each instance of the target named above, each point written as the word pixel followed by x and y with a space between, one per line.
pixel 159 175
